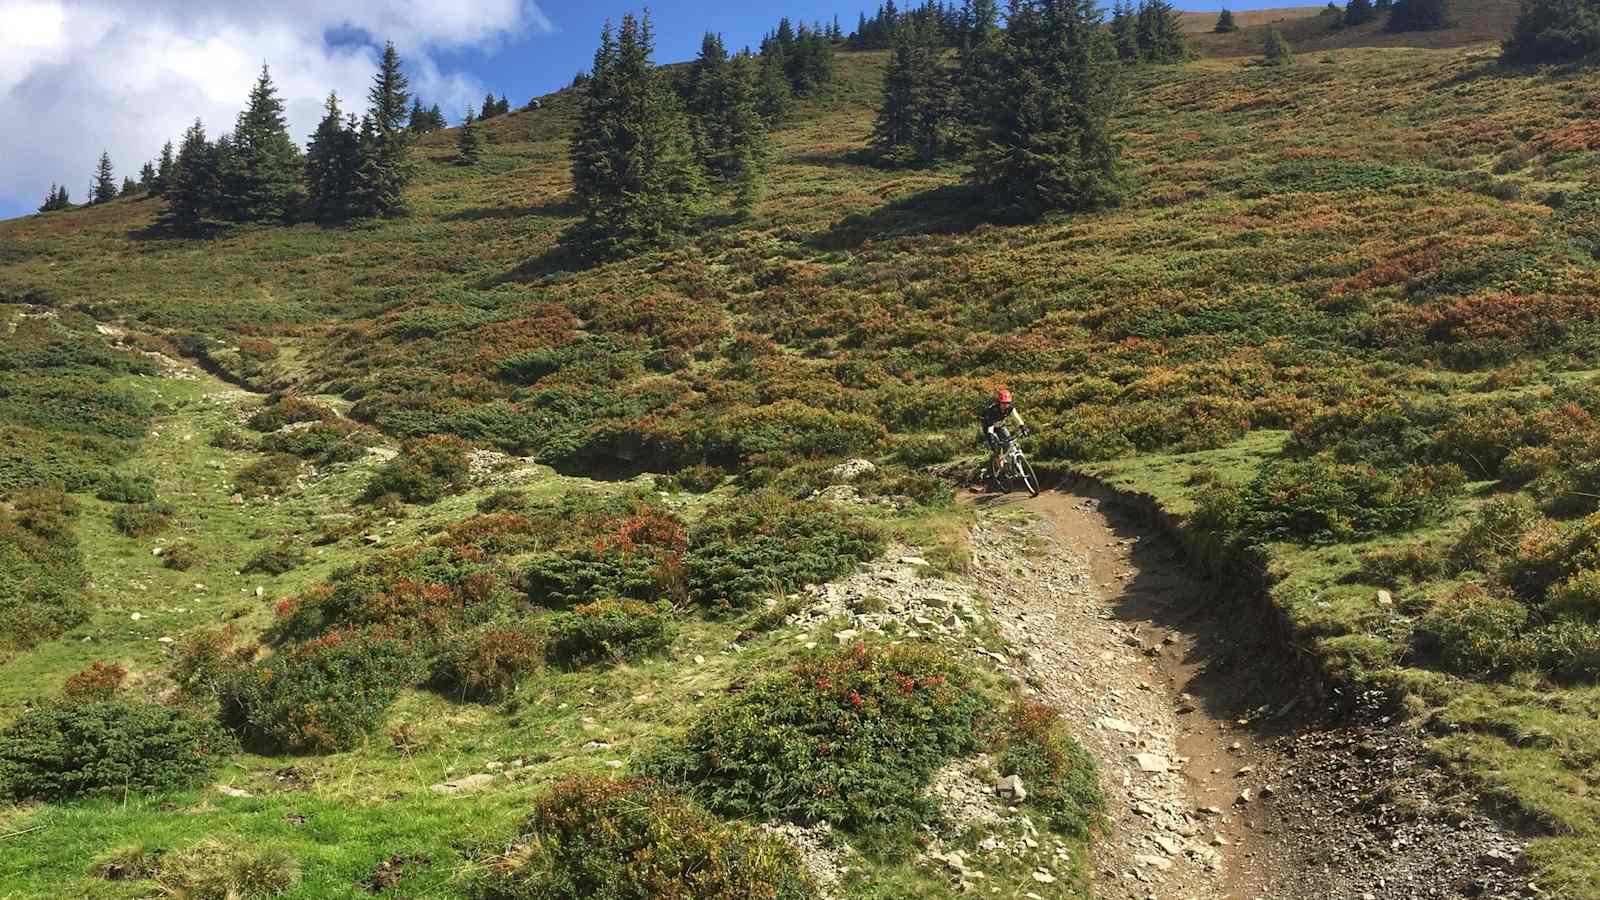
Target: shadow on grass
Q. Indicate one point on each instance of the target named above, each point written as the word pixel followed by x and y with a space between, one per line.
pixel 207 231
pixel 549 209
pixel 953 209
pixel 848 159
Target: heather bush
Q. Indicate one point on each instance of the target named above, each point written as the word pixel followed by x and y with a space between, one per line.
pixel 95 684
pixel 1057 772
pixel 42 578
pixel 271 476
pixel 415 593
pixel 791 427
pixel 318 697
pixel 591 838
pixel 764 544
pixel 1477 633
pixel 142 520
pixel 609 631
pixel 106 747
pixel 849 738
pixel 206 661
pixel 487 661
pixel 1494 532
pixel 276 560
pixel 1322 501
pixel 1391 566
pixel 180 556
pixel 924 450
pixel 426 470
pixel 1569 650
pixel 697 479
pixel 121 488
pixel 335 441
pixel 287 409
pixel 230 438
pixel 563 580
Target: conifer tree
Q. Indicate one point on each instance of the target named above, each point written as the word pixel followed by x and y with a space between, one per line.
pixel 634 176
pixel 385 168
pixel 192 188
pixel 489 108
pixel 1225 23
pixel 1277 51
pixel 1160 33
pixel 1552 31
pixel 729 134
pixel 129 188
pixel 980 48
pixel 1421 15
pixel 148 180
pixel 259 162
pixel 333 157
pixel 911 123
pixel 1048 144
pixel 1383 6
pixel 164 168
pixel 1359 12
pixel 436 120
pixel 773 95
pixel 502 106
pixel 1125 31
pixel 105 185
pixel 469 144
pixel 55 200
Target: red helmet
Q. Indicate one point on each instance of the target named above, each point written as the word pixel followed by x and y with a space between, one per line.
pixel 1003 397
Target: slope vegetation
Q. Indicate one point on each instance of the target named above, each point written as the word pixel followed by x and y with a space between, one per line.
pixel 1353 302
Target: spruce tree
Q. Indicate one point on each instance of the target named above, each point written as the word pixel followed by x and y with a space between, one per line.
pixel 259 163
pixel 773 94
pixel 911 124
pixel 729 134
pixel 634 176
pixel 502 107
pixel 1359 12
pixel 105 185
pixel 1125 31
pixel 469 144
pixel 1048 144
pixel 418 120
pixel 1277 51
pixel 1422 15
pixel 385 168
pixel 164 168
pixel 148 181
pixel 1553 31
pixel 54 200
pixel 1160 33
pixel 1225 23
pixel 436 120
pixel 980 48
pixel 192 188
pixel 489 108
pixel 333 156
pixel 129 188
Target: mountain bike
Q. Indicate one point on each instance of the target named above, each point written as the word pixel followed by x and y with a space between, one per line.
pixel 1015 470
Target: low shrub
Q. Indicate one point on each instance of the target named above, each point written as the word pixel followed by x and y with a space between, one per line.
pixel 206 661
pixel 1569 650
pixel 336 441
pixel 287 409
pixel 1321 501
pixel 850 738
pixel 1391 566
pixel 180 556
pixel 1496 528
pixel 119 488
pixel 269 477
pixel 319 697
pixel 57 753
pixel 143 519
pixel 765 544
pixel 230 438
pixel 697 479
pixel 214 870
pixel 285 557
pixel 42 578
pixel 1477 633
pixel 487 662
pixel 591 838
pixel 924 450
pixel 609 631
pixel 95 684
pixel 1058 774
pixel 504 500
pixel 426 470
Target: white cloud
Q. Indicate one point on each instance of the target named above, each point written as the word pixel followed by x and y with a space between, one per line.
pixel 79 76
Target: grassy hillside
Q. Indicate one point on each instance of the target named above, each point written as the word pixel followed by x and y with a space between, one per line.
pixel 1474 22
pixel 1350 303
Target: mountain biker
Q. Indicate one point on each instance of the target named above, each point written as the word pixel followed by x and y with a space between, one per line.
pixel 994 419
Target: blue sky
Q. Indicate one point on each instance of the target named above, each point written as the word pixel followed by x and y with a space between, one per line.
pixel 88 75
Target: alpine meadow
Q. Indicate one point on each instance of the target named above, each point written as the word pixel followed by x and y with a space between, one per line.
pixel 588 498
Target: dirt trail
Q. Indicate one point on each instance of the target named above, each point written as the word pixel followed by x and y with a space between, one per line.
pixel 1112 631
pixel 1224 779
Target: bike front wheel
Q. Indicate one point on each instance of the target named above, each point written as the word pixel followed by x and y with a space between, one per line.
pixel 1026 476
